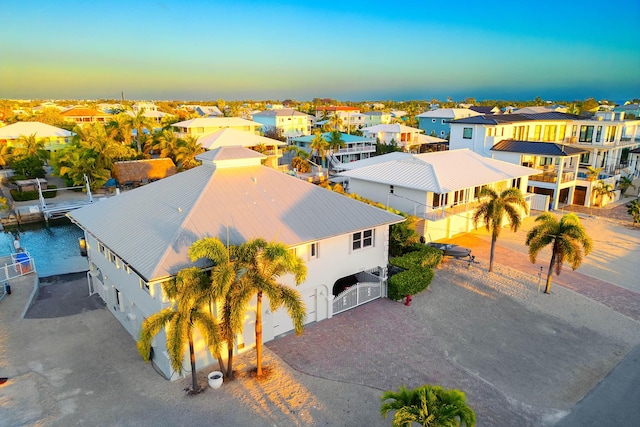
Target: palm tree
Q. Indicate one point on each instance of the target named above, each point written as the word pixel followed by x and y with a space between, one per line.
pixel 601 190
pixel 428 405
pixel 29 146
pixel 223 276
pixel 335 141
pixel 492 212
pixel 188 295
pixel 261 265
pixel 119 128
pixel 334 122
pixel 167 143
pixel 633 209
pixel 140 122
pixel 593 173
pixel 624 184
pixel 5 154
pixel 569 239
pixel 319 147
pixel 187 150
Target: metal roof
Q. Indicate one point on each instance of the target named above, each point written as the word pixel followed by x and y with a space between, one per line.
pixel 512 118
pixel 280 112
pixel 42 130
pixel 152 227
pixel 438 172
pixel 216 122
pixel 449 113
pixel 231 137
pixel 536 147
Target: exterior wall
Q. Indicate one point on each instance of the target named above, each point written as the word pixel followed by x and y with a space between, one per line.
pixel 439 125
pixel 376 119
pixel 129 300
pixel 198 131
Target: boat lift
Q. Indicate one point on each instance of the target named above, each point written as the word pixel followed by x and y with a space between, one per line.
pixel 59 211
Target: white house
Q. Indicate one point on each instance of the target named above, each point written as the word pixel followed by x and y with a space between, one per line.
pixel 54 137
pixel 356 147
pixel 229 137
pixel 405 137
pixel 439 188
pixel 289 122
pixel 139 239
pixel 204 126
pixel 606 137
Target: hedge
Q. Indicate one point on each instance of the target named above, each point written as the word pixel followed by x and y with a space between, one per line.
pixel 23 196
pixel 418 275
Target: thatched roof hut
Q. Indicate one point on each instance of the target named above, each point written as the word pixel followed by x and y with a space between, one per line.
pixel 143 170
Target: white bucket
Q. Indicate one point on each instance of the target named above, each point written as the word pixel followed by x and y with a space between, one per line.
pixel 215 379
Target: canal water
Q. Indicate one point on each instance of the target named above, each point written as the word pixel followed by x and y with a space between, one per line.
pixel 53 247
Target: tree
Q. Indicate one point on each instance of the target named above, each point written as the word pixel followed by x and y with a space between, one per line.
pixel 428 405
pixel 223 275
pixel 188 295
pixel 140 122
pixel 602 189
pixel 187 150
pixel 319 147
pixel 30 146
pixel 334 122
pixel 262 264
pixel 624 183
pixel 633 209
pixel 5 154
pixel 335 142
pixel 493 210
pixel 119 128
pixel 568 238
pixel 167 144
pixel 593 173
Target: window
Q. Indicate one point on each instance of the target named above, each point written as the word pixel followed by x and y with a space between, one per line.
pixel 467 133
pixel 362 239
pixel 313 250
pixel 391 189
pixel 458 197
pixel 599 134
pixel 101 249
pixel 584 158
pixel 489 131
pixel 443 122
pixel 586 134
pixel 119 301
pixel 433 120
pixel 144 285
pixel 549 133
pixel 574 130
pixel 439 199
pixel 563 130
pixel 442 133
pixel 515 183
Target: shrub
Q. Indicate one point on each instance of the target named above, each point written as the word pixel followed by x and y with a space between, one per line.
pixel 24 196
pixel 409 282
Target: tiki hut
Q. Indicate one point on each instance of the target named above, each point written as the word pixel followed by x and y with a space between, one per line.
pixel 136 172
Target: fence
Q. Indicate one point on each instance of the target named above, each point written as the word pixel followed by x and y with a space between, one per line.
pixel 14 265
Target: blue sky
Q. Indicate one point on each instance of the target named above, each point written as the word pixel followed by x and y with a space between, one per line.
pixel 350 50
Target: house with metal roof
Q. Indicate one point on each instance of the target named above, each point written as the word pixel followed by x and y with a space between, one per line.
pixel 140 238
pixel 440 188
pixel 287 121
pixel 54 137
pixel 206 125
pixel 356 147
pixel 606 137
pixel 558 165
pixel 406 137
pixel 229 137
pixel 436 122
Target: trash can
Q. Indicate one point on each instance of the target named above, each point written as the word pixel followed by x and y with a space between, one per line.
pixel 8 289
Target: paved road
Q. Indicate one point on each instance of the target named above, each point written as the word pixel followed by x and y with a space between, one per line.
pixel 613 402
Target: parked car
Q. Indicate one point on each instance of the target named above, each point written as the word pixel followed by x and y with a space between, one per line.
pixel 451 250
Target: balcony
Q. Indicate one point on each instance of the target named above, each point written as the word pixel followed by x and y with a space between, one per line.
pixel 552 177
pixel 364 148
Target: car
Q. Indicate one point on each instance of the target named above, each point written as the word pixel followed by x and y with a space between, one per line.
pixel 451 250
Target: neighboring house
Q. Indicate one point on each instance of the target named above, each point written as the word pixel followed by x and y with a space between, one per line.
pixel 144 105
pixel 208 111
pixel 628 109
pixel 398 114
pixel 140 239
pixel 229 137
pixel 372 118
pixel 405 137
pixel 485 110
pixel 540 110
pixel 54 138
pixel 136 172
pixel 634 164
pixel 558 166
pixel 84 115
pixel 606 137
pixel 356 147
pixel 439 188
pixel 154 115
pixel 204 126
pixel 351 117
pixel 436 122
pixel 289 122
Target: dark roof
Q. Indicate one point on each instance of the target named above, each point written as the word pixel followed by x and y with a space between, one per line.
pixel 482 109
pixel 139 170
pixel 536 147
pixel 635 151
pixel 510 118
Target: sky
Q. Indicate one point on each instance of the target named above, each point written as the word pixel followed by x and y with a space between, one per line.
pixel 351 50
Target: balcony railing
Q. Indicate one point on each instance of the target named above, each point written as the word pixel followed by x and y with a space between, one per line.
pixel 357 149
pixel 553 177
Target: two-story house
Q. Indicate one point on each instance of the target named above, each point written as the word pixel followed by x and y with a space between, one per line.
pixel 140 239
pixel 228 137
pixel 373 118
pixel 436 122
pixel 356 147
pixel 351 117
pixel 606 137
pixel 440 188
pixel 204 126
pixel 288 122
pixel 54 138
pixel 406 137
pixel 83 115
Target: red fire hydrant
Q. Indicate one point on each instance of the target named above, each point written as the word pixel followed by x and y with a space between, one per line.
pixel 408 300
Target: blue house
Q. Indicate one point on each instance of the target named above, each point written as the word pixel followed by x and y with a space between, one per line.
pixel 436 122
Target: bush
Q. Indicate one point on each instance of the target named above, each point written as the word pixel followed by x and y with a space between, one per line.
pixel 24 196
pixel 422 255
pixel 409 282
